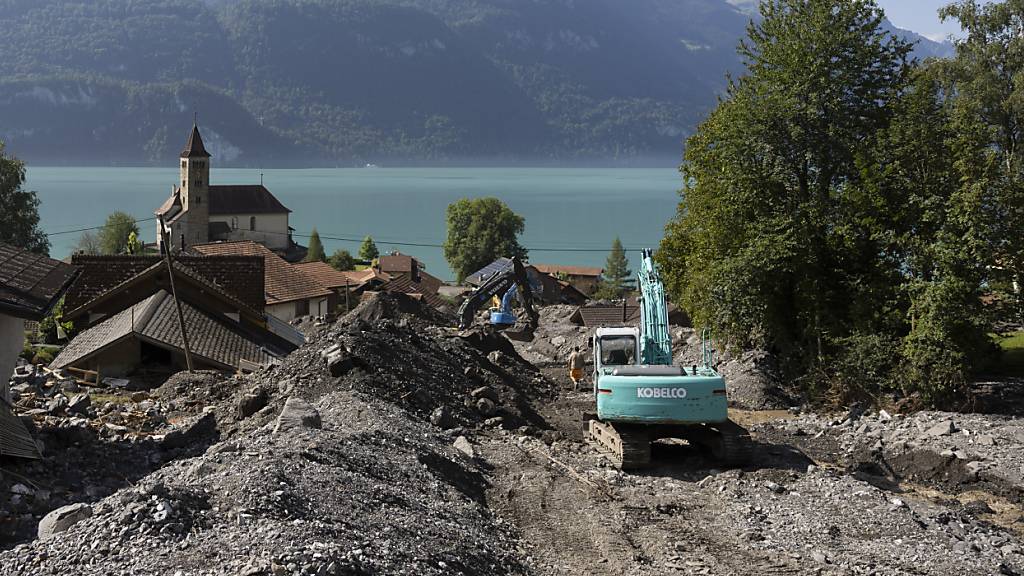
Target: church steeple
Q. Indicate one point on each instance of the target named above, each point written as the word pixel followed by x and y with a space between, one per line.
pixel 194 147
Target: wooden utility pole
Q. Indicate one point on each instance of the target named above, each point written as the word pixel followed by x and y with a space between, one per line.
pixel 166 247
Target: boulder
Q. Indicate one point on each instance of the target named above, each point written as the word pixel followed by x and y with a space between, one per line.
pixel 79 404
pixel 486 406
pixel 463 445
pixel 63 518
pixel 485 392
pixel 339 361
pixel 191 432
pixel 944 428
pixel 251 403
pixel 442 418
pixel 297 414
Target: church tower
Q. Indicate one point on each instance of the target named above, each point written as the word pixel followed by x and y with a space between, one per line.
pixel 195 190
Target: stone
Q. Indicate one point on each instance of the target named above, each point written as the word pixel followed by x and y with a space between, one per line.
pixel 485 392
pixel 139 396
pixel 22 490
pixel 494 422
pixel 986 440
pixel 819 557
pixel 297 414
pixel 774 487
pixel 79 404
pixel 442 418
pixel 558 341
pixel 57 404
pixel 190 433
pixel 486 406
pixel 463 445
pixel 251 403
pixel 339 362
pixel 884 416
pixel 944 428
pixel 62 518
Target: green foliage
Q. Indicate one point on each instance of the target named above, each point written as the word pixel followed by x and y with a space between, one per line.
pixel 48 333
pixel 19 209
pixel 1012 361
pixel 113 237
pixel 316 248
pixel 480 231
pixel 134 245
pixel 617 274
pixel 368 250
pixel 342 261
pixel 43 357
pixel 28 351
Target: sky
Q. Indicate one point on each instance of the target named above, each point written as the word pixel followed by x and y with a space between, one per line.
pixel 920 16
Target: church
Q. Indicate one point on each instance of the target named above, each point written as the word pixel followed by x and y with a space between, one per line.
pixel 198 212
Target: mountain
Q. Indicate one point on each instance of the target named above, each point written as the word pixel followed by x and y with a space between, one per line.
pixel 325 82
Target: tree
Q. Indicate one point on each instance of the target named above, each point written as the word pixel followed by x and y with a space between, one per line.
pixel 134 245
pixel 617 275
pixel 89 244
pixel 316 249
pixel 768 247
pixel 988 110
pixel 114 235
pixel 19 209
pixel 368 250
pixel 480 231
pixel 342 261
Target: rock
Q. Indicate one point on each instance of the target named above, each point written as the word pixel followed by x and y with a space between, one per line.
pixel 22 490
pixel 974 468
pixel 191 433
pixel 898 504
pixel 63 518
pixel 819 557
pixel 884 416
pixel 558 341
pixel 251 403
pixel 944 428
pixel 485 392
pixel 494 422
pixel 986 440
pixel 976 507
pixel 463 445
pixel 486 406
pixel 339 362
pixel 79 404
pixel 774 487
pixel 297 414
pixel 442 418
pixel 139 396
pixel 57 404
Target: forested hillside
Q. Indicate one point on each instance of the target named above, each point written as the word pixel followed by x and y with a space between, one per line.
pixel 324 82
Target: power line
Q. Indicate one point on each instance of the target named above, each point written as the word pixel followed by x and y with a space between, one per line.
pixel 94 227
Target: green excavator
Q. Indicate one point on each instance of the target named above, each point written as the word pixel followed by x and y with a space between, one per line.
pixel 642 397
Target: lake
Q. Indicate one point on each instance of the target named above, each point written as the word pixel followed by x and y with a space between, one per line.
pixel 572 214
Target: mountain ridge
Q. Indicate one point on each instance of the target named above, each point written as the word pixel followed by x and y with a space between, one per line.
pixel 348 82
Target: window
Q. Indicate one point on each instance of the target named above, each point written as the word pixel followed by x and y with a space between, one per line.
pixel 252 223
pixel 182 183
pixel 184 164
pixel 199 199
pixel 234 223
pixel 617 350
pixel 302 308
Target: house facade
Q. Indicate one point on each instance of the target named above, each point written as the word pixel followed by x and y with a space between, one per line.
pixel 197 212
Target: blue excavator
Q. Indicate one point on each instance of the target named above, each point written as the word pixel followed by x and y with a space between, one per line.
pixel 642 396
pixel 509 284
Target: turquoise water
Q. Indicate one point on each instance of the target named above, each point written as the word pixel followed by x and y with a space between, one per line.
pixel 566 209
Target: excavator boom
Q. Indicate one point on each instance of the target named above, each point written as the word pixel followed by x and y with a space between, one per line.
pixel 501 283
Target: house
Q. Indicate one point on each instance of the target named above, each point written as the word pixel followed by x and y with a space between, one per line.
pixel 397 264
pixel 625 314
pixel 288 292
pixel 30 286
pixel 350 284
pixel 585 279
pixel 130 320
pixel 419 287
pixel 547 289
pixel 198 212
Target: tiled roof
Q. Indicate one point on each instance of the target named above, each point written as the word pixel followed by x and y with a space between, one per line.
pixel 499 265
pixel 244 199
pixel 194 147
pixel 325 275
pixel 283 282
pixel 30 284
pixel 608 315
pixel 406 285
pixel 238 276
pixel 397 264
pixel 215 340
pixel 171 206
pixel 15 439
pixel 554 269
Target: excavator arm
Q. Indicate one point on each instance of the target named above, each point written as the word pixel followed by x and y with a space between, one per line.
pixel 499 284
pixel 655 340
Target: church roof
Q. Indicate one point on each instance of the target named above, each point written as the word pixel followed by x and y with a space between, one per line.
pixel 244 199
pixel 194 148
pixel 171 206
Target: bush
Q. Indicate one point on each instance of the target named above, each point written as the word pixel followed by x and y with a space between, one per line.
pixel 865 367
pixel 43 357
pixel 28 352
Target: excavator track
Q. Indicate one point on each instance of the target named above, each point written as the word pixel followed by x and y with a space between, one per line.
pixel 629 446
pixel 732 445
